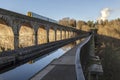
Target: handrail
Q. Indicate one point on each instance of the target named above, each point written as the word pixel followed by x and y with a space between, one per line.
pixel 78 66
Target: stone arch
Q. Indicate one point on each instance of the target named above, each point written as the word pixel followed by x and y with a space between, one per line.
pixel 51 34
pixel 63 34
pixel 6 36
pixel 26 35
pixel 42 35
pixel 58 36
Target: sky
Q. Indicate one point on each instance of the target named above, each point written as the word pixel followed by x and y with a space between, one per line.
pixel 58 9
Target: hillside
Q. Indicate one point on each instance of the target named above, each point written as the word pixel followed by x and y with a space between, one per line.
pixel 108 45
pixel 109 50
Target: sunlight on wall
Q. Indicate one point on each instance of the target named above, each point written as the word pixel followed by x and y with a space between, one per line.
pixel 42 35
pixel 26 36
pixel 58 35
pixel 6 37
pixel 51 35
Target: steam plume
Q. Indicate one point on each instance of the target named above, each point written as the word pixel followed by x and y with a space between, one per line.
pixel 104 14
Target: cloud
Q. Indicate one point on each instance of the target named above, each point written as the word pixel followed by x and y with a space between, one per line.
pixel 104 14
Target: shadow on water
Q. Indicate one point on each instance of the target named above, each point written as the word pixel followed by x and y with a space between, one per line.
pixel 108 48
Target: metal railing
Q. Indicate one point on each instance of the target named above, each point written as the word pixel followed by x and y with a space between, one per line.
pixel 82 54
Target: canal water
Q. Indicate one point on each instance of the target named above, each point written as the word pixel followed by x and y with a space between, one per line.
pixel 27 70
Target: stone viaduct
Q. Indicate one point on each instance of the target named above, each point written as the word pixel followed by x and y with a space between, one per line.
pixel 18 30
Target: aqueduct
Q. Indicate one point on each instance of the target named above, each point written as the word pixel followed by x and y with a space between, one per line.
pixel 17 30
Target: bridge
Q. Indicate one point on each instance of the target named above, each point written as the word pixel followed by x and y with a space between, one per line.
pixel 23 38
pixel 23 31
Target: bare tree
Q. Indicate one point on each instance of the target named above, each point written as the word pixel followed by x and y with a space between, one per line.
pixel 72 22
pixel 68 22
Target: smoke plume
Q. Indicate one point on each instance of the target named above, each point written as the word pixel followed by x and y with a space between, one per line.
pixel 104 14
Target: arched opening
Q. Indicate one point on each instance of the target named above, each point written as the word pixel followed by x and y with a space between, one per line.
pixel 58 34
pixel 42 35
pixel 67 35
pixel 51 35
pixel 63 34
pixel 26 36
pixel 6 37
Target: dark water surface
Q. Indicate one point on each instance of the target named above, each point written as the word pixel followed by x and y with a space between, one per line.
pixel 27 70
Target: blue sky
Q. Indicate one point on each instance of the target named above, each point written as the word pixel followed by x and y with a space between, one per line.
pixel 57 9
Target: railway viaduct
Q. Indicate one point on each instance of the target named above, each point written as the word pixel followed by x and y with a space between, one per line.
pixel 18 30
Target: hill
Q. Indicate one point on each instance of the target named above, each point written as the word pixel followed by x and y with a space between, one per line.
pixel 108 45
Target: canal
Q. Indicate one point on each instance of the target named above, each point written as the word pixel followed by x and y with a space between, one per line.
pixel 29 69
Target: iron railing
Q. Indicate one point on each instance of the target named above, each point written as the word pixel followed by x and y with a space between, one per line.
pixel 82 56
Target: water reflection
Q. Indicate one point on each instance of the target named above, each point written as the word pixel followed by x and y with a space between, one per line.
pixel 25 71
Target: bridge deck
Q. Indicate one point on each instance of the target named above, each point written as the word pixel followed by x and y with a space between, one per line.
pixel 62 68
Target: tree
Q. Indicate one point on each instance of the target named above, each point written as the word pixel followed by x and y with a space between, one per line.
pixel 72 22
pixel 68 22
pixel 80 24
pixel 64 21
pixel 90 23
